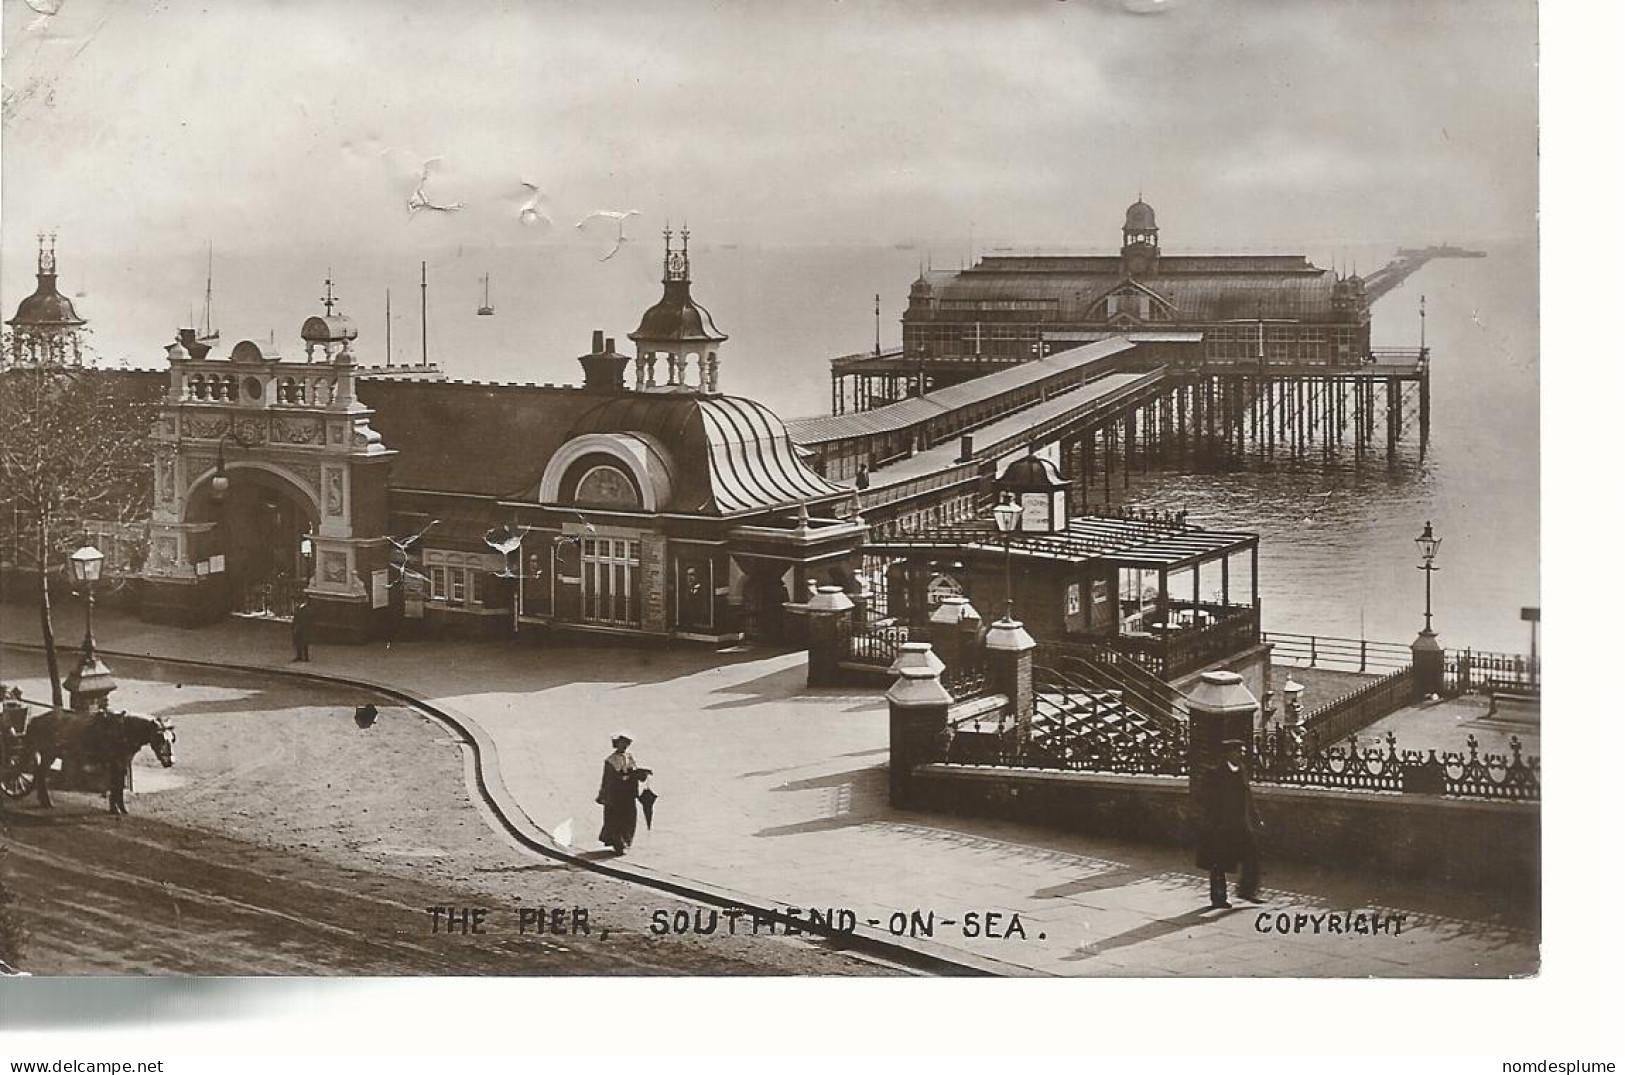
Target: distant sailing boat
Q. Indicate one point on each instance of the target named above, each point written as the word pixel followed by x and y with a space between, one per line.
pixel 487 309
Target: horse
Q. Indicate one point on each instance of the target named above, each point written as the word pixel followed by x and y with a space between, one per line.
pixel 110 738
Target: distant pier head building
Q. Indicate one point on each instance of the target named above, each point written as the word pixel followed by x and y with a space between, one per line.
pixel 1006 309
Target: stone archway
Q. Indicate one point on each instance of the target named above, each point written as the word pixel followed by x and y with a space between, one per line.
pixel 259 538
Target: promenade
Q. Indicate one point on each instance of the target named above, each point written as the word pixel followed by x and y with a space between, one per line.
pixel 777 794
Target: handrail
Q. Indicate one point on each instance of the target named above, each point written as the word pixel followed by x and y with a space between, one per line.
pixel 1360 708
pixel 1143 692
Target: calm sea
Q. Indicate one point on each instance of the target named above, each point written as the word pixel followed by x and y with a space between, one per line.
pixel 1337 556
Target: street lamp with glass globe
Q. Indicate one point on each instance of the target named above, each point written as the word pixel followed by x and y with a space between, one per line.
pixel 1428 546
pixel 1427 656
pixel 1006 515
pixel 91 682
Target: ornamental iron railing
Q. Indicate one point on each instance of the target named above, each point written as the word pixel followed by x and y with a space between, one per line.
pixel 1279 755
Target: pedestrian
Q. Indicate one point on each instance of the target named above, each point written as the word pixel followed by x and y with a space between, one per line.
pixel 1229 824
pixel 618 795
pixel 301 631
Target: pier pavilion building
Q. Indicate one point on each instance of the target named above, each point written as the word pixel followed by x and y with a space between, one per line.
pixel 395 503
pixel 1008 309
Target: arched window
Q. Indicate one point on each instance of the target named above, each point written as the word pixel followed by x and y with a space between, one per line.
pixel 607 487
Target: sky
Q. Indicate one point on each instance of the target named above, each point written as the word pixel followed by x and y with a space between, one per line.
pixel 302 126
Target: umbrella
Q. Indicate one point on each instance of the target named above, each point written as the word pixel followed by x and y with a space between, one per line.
pixel 647 797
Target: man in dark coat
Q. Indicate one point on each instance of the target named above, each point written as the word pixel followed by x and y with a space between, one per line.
pixel 301 631
pixel 618 795
pixel 1228 824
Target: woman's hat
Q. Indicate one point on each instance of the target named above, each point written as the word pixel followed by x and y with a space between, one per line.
pixel 621 737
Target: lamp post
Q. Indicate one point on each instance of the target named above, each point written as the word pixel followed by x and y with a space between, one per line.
pixel 1428 546
pixel 91 682
pixel 1427 656
pixel 1006 515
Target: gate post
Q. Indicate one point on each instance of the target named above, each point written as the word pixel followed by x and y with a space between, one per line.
pixel 1010 670
pixel 1221 709
pixel 952 623
pixel 827 613
pixel 918 705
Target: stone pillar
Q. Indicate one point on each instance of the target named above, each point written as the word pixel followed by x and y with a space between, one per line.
pixel 919 714
pixel 953 623
pixel 1010 670
pixel 1221 709
pixel 1427 662
pixel 825 640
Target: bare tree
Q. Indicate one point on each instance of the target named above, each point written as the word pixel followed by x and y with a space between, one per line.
pixel 73 449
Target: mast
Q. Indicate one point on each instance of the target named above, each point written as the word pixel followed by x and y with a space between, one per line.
pixel 389 326
pixel 877 325
pixel 424 284
pixel 208 297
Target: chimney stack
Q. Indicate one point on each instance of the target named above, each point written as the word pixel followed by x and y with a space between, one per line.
pixel 605 370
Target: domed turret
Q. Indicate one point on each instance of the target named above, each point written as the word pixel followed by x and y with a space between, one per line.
pixel 45 328
pixel 678 328
pixel 1140 246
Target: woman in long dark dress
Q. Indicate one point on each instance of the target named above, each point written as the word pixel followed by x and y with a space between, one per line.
pixel 1228 837
pixel 618 795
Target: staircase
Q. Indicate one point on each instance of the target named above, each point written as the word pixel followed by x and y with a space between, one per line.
pixel 1073 721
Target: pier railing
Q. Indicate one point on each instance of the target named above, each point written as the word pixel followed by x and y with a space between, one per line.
pixel 1338 654
pixel 1466 670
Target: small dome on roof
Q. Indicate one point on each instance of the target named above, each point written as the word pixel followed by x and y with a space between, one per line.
pixel 255 351
pixel 1031 473
pixel 1140 217
pixel 330 328
pixel 677 317
pixel 46 307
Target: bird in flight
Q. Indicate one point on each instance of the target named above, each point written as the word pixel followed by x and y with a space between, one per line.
pixel 528 213
pixel 420 200
pixel 620 217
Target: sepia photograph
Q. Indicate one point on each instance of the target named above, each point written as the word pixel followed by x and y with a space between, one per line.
pixel 883 490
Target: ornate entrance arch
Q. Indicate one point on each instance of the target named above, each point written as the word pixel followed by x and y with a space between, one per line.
pixel 262 529
pixel 304 510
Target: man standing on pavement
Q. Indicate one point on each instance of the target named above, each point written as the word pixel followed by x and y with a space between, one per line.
pixel 618 795
pixel 301 630
pixel 1228 823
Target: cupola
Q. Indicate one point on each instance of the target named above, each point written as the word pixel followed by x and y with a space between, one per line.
pixel 1140 246
pixel 680 330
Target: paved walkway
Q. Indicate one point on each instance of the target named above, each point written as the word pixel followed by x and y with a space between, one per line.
pixel 774 791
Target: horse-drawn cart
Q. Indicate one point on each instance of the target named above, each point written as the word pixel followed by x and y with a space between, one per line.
pixel 16 763
pixel 41 745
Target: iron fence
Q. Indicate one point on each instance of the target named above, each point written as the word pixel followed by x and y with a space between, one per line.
pixel 875 642
pixel 1279 756
pixel 1465 670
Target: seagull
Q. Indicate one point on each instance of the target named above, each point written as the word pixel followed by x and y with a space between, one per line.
pixel 619 216
pixel 528 213
pixel 420 200
pixel 401 565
